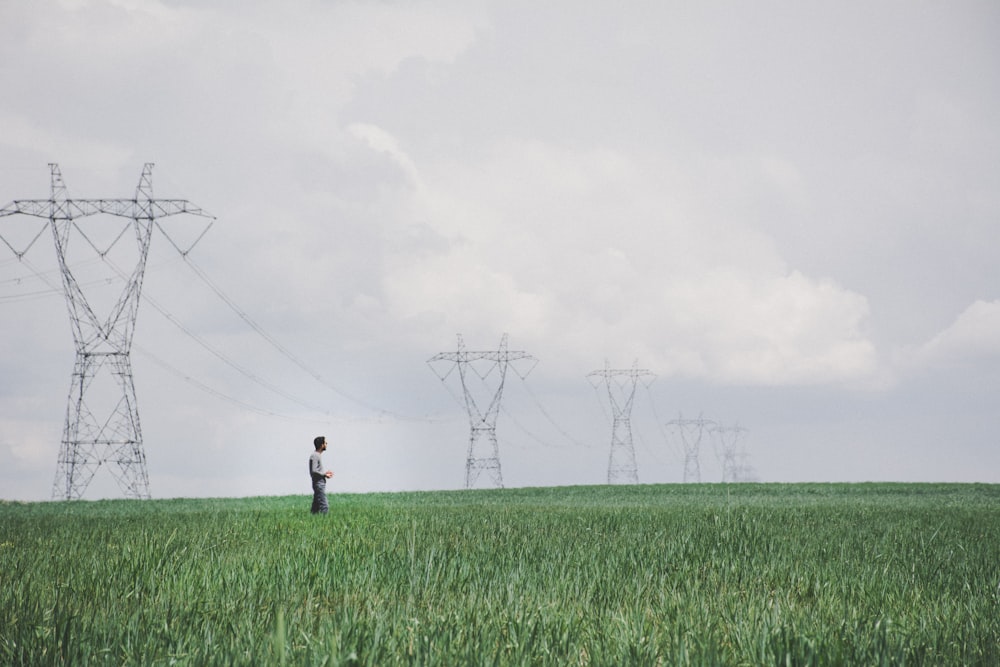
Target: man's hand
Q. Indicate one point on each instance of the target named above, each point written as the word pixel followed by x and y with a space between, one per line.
pixel 329 474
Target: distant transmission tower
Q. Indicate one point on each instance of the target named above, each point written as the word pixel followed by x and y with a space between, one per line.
pixel 621 385
pixel 98 430
pixel 691 432
pixel 744 471
pixel 483 455
pixel 727 440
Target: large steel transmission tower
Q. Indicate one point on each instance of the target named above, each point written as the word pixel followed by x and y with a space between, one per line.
pixel 691 432
pixel 483 455
pixel 102 415
pixel 621 385
pixel 727 439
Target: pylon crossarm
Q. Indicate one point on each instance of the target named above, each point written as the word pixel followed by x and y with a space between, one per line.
pixel 122 208
pixel 39 208
pixel 161 208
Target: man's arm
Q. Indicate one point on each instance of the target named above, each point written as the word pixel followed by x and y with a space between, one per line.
pixel 316 466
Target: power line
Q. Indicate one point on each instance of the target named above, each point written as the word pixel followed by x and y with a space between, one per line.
pixel 545 413
pixel 659 424
pixel 646 448
pixel 287 353
pixel 56 290
pixel 250 375
pixel 525 429
pixel 53 289
pixel 214 392
pixel 240 312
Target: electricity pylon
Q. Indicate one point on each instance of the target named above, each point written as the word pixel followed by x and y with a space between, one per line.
pixel 621 385
pixel 483 455
pixel 744 471
pixel 727 439
pixel 102 414
pixel 691 432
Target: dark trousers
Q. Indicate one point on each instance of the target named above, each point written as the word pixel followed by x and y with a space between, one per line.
pixel 319 505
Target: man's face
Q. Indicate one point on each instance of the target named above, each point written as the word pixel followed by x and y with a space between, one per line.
pixel 322 447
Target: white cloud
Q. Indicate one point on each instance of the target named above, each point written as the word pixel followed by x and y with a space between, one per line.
pixel 55 145
pixel 972 338
pixel 583 252
pixel 382 142
pixel 761 328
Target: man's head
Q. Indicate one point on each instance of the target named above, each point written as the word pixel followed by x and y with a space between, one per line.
pixel 319 442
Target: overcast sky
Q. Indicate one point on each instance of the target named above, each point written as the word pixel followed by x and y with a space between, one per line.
pixel 787 212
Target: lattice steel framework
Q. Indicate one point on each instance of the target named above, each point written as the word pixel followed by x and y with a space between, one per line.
pixel 744 471
pixel 102 415
pixel 727 439
pixel 483 454
pixel 691 432
pixel 621 385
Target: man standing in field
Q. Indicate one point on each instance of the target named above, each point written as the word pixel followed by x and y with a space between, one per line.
pixel 319 476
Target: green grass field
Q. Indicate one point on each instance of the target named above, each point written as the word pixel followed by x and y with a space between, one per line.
pixel 801 574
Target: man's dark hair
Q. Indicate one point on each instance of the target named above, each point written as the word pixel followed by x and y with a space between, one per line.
pixel 318 441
